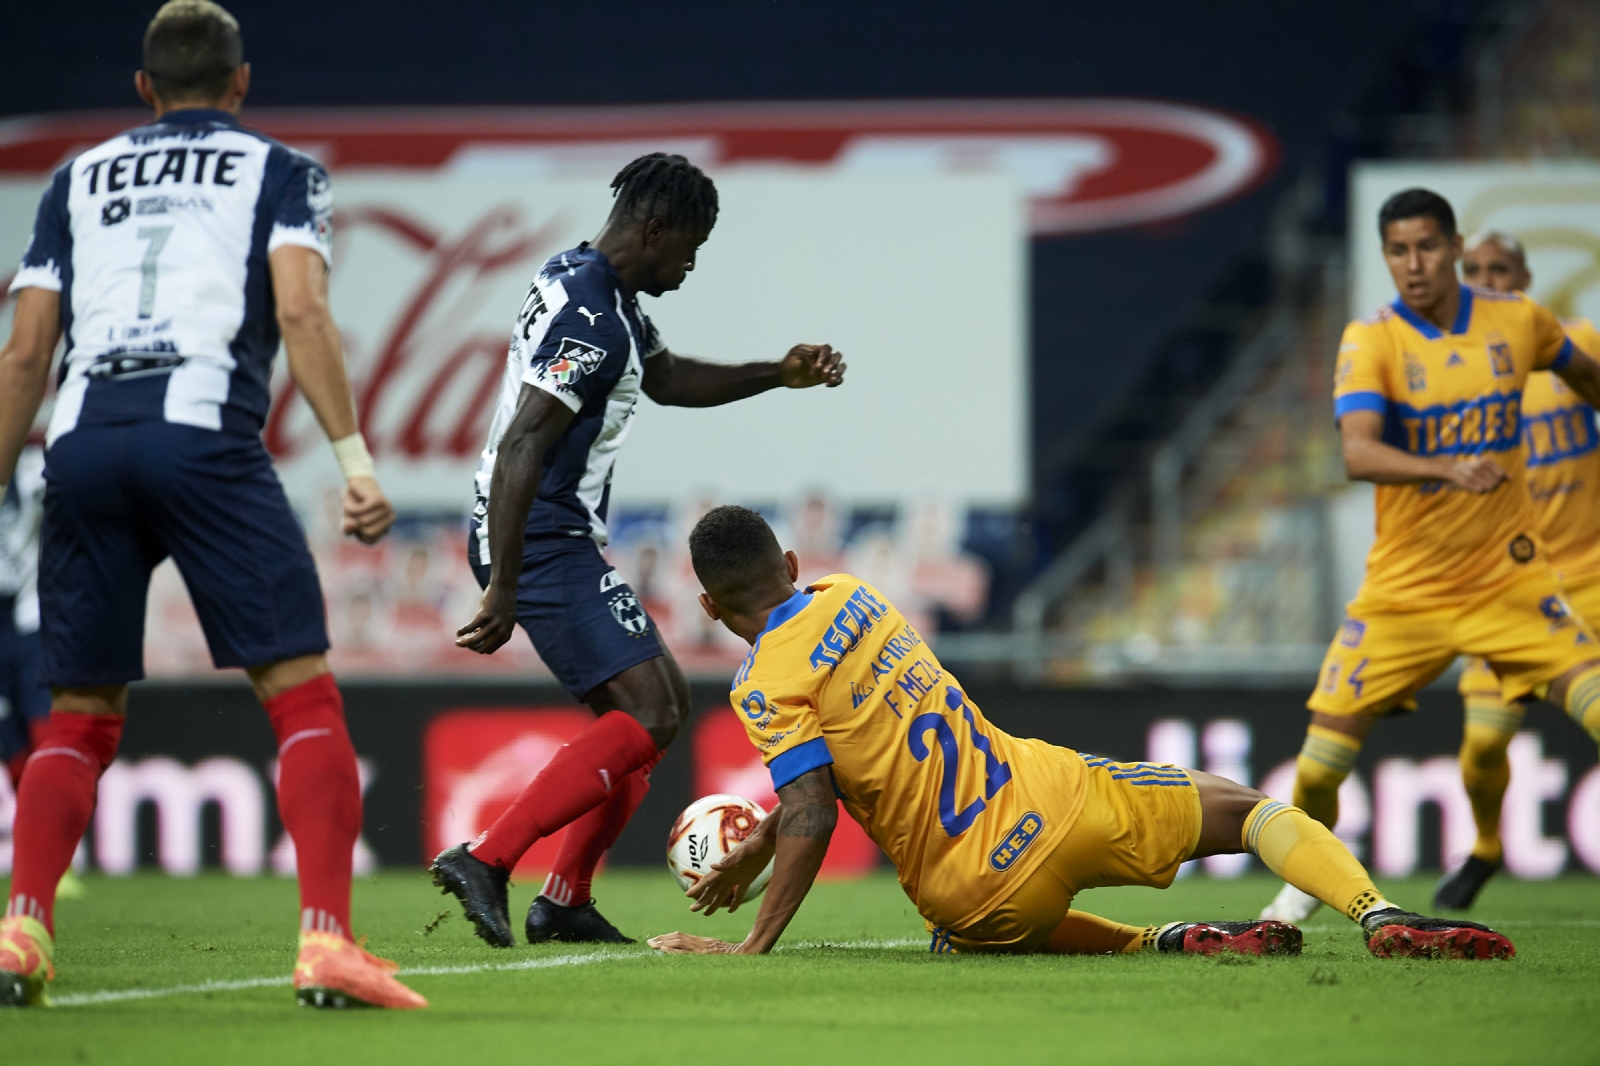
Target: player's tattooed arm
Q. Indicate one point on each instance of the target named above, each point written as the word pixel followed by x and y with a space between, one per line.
pixel 807 815
pixel 539 421
pixel 1367 457
pixel 1582 373
pixel 25 370
pixel 679 381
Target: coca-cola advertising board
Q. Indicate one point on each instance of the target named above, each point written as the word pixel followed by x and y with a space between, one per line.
pixel 918 279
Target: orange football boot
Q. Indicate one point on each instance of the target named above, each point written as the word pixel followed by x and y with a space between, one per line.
pixel 26 951
pixel 332 972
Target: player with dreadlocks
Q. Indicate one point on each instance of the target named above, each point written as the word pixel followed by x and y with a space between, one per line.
pixel 581 353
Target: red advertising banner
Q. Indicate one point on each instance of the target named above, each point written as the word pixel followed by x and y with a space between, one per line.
pixel 476 761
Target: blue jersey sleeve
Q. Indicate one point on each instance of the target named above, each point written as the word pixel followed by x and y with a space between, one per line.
pixel 579 361
pixel 48 258
pixel 298 198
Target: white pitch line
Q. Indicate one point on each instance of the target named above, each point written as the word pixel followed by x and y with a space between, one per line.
pixel 119 995
pixel 83 999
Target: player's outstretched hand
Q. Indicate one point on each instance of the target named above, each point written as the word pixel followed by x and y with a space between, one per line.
pixel 812 364
pixel 689 944
pixel 1478 475
pixel 728 880
pixel 495 622
pixel 367 513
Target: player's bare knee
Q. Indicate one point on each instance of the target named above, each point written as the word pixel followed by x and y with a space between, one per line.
pixel 90 699
pixel 661 721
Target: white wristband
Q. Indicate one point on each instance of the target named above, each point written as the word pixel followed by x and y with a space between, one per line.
pixel 354 459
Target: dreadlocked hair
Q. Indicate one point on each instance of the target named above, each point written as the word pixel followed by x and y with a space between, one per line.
pixel 668 186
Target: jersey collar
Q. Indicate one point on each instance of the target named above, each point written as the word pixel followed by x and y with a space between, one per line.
pixel 786 610
pixel 193 116
pixel 1428 329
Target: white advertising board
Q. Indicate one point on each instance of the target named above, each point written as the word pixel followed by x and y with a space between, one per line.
pixel 920 280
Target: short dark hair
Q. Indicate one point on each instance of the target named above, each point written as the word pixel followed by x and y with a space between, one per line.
pixel 731 547
pixel 1417 203
pixel 191 49
pixel 666 185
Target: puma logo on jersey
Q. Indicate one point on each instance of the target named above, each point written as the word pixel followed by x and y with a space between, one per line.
pixel 590 315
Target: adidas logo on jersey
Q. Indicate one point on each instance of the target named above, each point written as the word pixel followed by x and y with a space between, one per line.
pixel 1455 360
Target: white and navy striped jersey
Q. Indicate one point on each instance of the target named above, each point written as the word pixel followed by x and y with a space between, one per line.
pixel 583 340
pixel 158 241
pixel 21 509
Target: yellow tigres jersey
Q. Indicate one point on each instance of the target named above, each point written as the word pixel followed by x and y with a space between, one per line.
pixel 1558 430
pixel 965 811
pixel 1453 394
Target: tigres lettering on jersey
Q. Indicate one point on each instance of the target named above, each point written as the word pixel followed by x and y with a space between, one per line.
pixel 1459 394
pixel 1558 429
pixel 965 811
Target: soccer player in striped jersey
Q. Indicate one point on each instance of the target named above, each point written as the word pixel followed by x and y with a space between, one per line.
pixel 581 353
pixel 1428 394
pixel 1558 431
pixel 992 835
pixel 174 257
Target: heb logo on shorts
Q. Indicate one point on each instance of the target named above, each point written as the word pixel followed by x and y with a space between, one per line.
pixel 1017 841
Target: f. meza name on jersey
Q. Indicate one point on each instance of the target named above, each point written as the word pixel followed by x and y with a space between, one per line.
pixel 158 241
pixel 583 340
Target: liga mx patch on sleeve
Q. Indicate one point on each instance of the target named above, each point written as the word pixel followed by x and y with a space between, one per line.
pixel 573 359
pixel 1026 831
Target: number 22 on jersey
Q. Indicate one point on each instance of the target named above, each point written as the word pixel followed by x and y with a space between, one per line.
pixel 996 773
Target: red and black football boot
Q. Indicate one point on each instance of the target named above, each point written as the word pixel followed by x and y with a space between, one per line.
pixel 1240 938
pixel 1396 934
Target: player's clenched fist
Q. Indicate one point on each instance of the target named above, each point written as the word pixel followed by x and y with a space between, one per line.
pixel 494 623
pixel 812 364
pixel 1478 475
pixel 368 514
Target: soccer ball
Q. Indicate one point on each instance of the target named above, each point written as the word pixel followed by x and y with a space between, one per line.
pixel 706 831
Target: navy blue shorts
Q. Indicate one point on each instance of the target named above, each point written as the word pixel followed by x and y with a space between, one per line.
pixel 22 698
pixel 121 498
pixel 584 620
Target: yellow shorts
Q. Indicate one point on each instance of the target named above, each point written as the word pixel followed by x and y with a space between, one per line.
pixel 1524 628
pixel 1478 679
pixel 1139 823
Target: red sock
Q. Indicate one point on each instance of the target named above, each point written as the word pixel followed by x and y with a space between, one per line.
pixel 14 765
pixel 591 836
pixel 319 798
pixel 581 776
pixel 54 803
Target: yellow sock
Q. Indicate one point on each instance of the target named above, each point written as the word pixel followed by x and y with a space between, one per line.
pixel 1325 761
pixel 1081 933
pixel 1583 701
pixel 1485 771
pixel 1306 854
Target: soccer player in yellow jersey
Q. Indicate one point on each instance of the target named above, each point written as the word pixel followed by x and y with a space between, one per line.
pixel 992 835
pixel 1563 456
pixel 1428 394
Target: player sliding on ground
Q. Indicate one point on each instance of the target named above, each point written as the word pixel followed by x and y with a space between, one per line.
pixel 992 835
pixel 175 256
pixel 1558 431
pixel 580 354
pixel 1429 396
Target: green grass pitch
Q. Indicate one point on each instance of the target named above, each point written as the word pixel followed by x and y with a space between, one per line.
pixel 854 982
